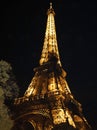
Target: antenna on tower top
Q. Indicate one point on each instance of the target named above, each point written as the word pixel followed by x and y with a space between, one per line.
pixel 50 5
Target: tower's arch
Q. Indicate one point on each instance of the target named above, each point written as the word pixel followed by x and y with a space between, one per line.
pixel 28 126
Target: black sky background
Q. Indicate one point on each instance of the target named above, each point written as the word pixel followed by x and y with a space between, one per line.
pixel 22 35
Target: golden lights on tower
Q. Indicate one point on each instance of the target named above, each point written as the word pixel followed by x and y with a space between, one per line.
pixel 48 96
pixel 50 46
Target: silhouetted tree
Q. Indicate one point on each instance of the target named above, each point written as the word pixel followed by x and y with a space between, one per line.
pixel 5 121
pixel 8 82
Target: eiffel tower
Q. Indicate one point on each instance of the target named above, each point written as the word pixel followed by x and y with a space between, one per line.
pixel 48 103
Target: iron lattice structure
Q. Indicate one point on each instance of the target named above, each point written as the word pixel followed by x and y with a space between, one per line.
pixel 48 103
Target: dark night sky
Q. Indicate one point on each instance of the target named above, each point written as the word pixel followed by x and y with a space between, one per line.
pixel 22 35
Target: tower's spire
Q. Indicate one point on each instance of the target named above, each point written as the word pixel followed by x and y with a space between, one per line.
pixel 50 5
pixel 50 47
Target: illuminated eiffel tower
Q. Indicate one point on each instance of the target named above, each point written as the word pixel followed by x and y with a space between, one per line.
pixel 48 103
